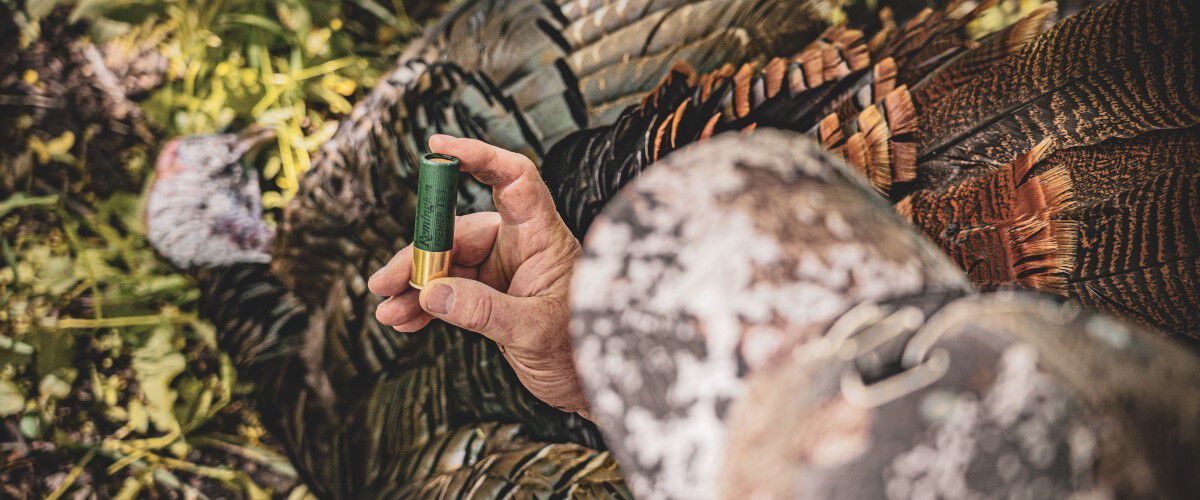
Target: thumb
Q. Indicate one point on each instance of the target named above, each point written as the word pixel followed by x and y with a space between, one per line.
pixel 474 306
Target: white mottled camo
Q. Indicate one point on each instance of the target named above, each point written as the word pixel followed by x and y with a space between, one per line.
pixel 708 263
pixel 751 321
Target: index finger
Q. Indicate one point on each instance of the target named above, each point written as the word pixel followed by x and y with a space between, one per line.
pixel 517 187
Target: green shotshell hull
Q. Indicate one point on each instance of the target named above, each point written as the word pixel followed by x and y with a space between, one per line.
pixel 437 197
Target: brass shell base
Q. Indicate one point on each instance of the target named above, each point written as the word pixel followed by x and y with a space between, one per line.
pixel 428 266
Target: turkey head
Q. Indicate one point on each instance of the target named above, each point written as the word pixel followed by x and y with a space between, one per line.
pixel 205 208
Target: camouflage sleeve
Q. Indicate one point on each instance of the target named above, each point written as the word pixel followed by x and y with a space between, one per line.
pixel 750 319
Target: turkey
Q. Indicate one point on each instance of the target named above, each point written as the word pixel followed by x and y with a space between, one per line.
pixel 363 411
pixel 1058 157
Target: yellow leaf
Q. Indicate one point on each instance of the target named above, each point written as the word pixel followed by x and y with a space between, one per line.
pixel 271 169
pixel 137 417
pixel 272 199
pixel 12 401
pixel 156 364
pixel 62 144
pixel 39 150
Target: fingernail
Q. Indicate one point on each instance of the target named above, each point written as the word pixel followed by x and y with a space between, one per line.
pixel 441 299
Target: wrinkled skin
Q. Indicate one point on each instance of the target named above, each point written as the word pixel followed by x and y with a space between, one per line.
pixel 509 277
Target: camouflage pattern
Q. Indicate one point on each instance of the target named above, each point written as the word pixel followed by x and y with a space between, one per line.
pixel 751 320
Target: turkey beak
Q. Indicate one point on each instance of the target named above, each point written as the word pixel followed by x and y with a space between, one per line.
pixel 252 140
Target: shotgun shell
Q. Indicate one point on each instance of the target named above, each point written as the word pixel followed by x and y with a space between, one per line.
pixel 437 199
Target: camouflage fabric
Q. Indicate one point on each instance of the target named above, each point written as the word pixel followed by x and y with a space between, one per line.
pixel 751 320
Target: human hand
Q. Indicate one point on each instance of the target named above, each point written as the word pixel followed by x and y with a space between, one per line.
pixel 509 276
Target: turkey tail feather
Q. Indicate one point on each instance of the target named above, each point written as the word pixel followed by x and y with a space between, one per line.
pixel 1139 253
pixel 992 50
pixel 1117 70
pixel 1001 227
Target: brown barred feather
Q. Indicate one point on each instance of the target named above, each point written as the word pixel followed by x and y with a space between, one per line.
pixel 1139 252
pixel 945 36
pixel 992 50
pixel 1120 69
pixel 1103 171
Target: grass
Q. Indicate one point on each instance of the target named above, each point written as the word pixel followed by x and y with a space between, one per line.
pixel 109 382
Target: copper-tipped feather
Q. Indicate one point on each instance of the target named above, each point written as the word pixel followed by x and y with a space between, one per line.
pixel 681 70
pixel 874 132
pixel 884 78
pixel 856 153
pixel 902 124
pixel 658 139
pixel 709 80
pixel 948 36
pixel 904 208
pixel 853 50
pixel 887 29
pixel 676 118
pixel 879 142
pixel 710 126
pixel 1000 227
pixel 1005 147
pixel 741 90
pixel 1049 192
pixel 1043 253
pixel 773 74
pixel 829 133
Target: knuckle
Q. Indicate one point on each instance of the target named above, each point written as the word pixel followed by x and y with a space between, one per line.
pixel 479 316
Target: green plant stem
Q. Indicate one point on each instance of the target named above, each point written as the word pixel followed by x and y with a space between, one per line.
pixel 72 476
pixel 121 322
